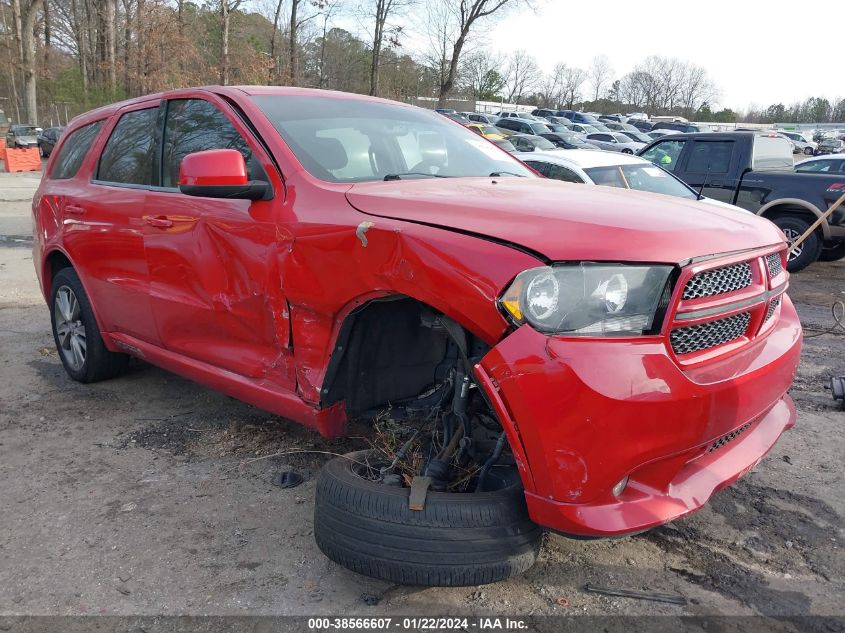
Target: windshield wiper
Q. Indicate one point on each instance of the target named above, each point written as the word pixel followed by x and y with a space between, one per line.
pixel 412 173
pixel 498 174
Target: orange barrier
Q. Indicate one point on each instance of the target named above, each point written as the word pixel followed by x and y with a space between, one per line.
pixel 2 143
pixel 22 159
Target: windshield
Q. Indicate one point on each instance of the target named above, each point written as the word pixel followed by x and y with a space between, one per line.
pixel 24 130
pixel 642 178
pixel 621 138
pixel 539 128
pixel 638 136
pixel 352 140
pixel 589 129
pixel 504 143
pixel 540 143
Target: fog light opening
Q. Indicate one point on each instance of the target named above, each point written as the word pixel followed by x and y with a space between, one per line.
pixel 619 488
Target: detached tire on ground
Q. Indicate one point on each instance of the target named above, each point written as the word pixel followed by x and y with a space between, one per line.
pixel 458 539
pixel 808 251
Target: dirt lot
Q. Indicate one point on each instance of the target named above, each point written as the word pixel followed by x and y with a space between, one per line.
pixel 143 496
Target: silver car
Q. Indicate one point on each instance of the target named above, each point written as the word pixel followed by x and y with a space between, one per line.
pixel 615 142
pixel 22 136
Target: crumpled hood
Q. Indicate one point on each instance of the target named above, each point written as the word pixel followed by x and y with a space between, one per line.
pixel 565 221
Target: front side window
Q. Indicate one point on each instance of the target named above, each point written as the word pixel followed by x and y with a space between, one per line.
pixel 127 156
pixel 73 151
pixel 351 140
pixel 194 125
pixel 665 154
pixel 710 156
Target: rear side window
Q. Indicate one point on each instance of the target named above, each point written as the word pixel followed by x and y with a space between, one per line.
pixel 127 156
pixel 73 151
pixel 772 153
pixel 194 125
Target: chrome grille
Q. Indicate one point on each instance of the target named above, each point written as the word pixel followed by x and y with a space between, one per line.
pixel 773 305
pixel 719 281
pixel 695 338
pixel 774 265
pixel 727 438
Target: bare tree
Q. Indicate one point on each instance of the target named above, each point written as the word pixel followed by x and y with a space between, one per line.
pixel 482 74
pixel 24 15
pixel 463 16
pixel 570 79
pixel 381 12
pixel 522 75
pixel 600 75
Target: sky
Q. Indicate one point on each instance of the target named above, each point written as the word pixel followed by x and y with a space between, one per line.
pixel 758 52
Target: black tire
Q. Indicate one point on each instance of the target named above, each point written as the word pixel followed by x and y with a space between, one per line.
pixel 793 227
pixel 832 251
pixel 808 151
pixel 458 539
pixel 627 151
pixel 99 363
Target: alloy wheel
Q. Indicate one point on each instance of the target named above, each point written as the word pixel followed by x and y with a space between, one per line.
pixel 791 236
pixel 70 330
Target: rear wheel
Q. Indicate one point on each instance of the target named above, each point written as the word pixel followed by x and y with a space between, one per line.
pixel 808 251
pixel 457 539
pixel 832 251
pixel 77 336
pixel 627 151
pixel 808 151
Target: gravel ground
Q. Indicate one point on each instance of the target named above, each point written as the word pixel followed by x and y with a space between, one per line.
pixel 143 496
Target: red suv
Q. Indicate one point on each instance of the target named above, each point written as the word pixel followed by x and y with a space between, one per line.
pixel 592 361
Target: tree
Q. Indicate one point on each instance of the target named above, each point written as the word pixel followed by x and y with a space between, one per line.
pixel 570 79
pixel 226 8
pixel 522 75
pixel 600 74
pixel 24 15
pixel 481 75
pixel 381 12
pixel 462 16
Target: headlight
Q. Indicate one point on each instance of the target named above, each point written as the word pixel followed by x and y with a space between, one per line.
pixel 589 299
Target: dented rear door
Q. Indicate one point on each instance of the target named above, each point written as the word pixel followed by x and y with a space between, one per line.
pixel 214 278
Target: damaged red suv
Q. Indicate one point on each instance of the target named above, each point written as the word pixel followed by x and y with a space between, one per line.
pixel 531 354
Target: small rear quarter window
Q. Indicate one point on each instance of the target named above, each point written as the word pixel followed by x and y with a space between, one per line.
pixel 73 151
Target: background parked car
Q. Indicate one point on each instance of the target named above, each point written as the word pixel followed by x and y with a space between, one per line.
pixel 678 126
pixel 637 136
pixel 821 165
pixel 47 140
pixel 620 127
pixel 504 143
pixel 522 126
pixel 658 133
pixel 831 146
pixel 489 132
pixel 477 117
pixel 613 170
pixel 22 136
pixel 643 125
pixel 567 140
pixel 531 143
pixel 584 128
pixel 808 148
pixel 578 117
pixel 615 142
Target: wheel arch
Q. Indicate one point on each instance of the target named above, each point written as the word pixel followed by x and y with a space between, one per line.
pixel 795 206
pixel 56 260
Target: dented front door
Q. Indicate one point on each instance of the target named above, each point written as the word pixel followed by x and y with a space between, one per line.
pixel 214 278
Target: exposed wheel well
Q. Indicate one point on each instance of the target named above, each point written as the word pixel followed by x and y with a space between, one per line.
pixel 392 350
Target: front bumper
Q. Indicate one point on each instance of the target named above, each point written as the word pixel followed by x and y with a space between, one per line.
pixel 581 415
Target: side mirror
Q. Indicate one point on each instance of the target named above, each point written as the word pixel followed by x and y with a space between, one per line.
pixel 219 173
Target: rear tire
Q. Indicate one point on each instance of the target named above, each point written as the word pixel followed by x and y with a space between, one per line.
pixel 808 151
pixel 458 539
pixel 808 252
pixel 76 333
pixel 832 251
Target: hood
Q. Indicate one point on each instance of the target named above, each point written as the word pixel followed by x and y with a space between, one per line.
pixel 563 221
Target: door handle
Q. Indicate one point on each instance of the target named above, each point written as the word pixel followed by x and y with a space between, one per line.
pixel 73 209
pixel 160 221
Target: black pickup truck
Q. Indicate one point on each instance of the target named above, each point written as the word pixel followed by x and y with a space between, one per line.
pixel 754 171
